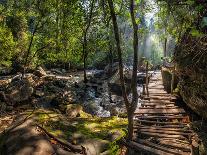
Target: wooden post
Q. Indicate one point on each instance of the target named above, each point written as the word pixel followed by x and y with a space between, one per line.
pixel 147 79
pixel 143 92
pixel 173 80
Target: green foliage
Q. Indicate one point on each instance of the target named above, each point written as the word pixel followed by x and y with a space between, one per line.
pixel 7 44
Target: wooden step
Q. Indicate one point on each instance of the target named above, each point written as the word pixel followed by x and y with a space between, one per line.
pixel 164 126
pixel 159 98
pixel 159 107
pixel 158 101
pixel 138 147
pixel 165 132
pixel 157 104
pixel 160 111
pixel 160 94
pixel 164 129
pixel 161 123
pixel 173 143
pixel 162 135
pixel 166 149
pixel 160 117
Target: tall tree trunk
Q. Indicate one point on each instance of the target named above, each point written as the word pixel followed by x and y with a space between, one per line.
pixel 131 107
pixel 84 57
pixel 29 49
pixel 134 74
pixel 118 46
pixel 165 47
pixel 85 50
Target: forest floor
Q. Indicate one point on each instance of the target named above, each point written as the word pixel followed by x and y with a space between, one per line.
pixel 52 119
pixel 93 133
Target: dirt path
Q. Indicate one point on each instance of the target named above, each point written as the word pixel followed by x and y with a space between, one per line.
pixel 161 126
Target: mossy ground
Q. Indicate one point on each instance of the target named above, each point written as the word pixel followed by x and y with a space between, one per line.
pixel 90 127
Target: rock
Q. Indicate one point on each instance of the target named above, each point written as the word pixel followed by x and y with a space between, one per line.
pixel 114 111
pixel 50 87
pixel 39 93
pixel 73 110
pixel 91 107
pixel 19 90
pixel 3 106
pixel 40 72
pixel 115 84
pixel 44 101
pixel 9 108
pixel 193 94
pixel 115 67
pixel 63 70
pixel 95 146
pixel 56 71
pixel 114 135
pixel 99 74
pixel 28 140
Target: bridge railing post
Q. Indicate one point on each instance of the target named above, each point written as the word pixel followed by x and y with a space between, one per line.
pixel 147 79
pixel 173 79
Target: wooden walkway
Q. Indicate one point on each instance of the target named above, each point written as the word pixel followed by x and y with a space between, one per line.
pixel 161 126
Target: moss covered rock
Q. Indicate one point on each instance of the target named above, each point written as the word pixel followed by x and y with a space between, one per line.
pixel 191 65
pixel 195 96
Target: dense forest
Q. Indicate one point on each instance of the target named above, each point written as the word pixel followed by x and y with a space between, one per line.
pixel 103 77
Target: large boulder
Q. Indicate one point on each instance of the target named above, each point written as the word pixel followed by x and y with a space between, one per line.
pixel 195 96
pixel 19 91
pixel 95 146
pixel 191 66
pixel 115 84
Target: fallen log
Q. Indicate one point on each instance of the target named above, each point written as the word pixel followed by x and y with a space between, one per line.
pixel 75 149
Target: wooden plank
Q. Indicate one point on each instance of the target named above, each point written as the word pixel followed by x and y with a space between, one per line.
pixel 161 123
pixel 162 135
pixel 165 126
pixel 173 143
pixel 163 129
pixel 160 111
pixel 160 94
pixel 145 148
pixel 166 149
pixel 165 132
pixel 160 117
pixel 159 98
pixel 158 101
pixel 157 104
pixel 159 107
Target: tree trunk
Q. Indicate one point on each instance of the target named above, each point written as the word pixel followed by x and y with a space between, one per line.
pixel 134 74
pixel 165 47
pixel 131 107
pixel 110 55
pixel 85 50
pixel 29 49
pixel 84 57
pixel 118 46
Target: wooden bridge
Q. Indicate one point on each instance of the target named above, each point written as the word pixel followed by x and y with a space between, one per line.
pixel 161 126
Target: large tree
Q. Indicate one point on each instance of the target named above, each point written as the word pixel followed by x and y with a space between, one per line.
pixel 130 105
